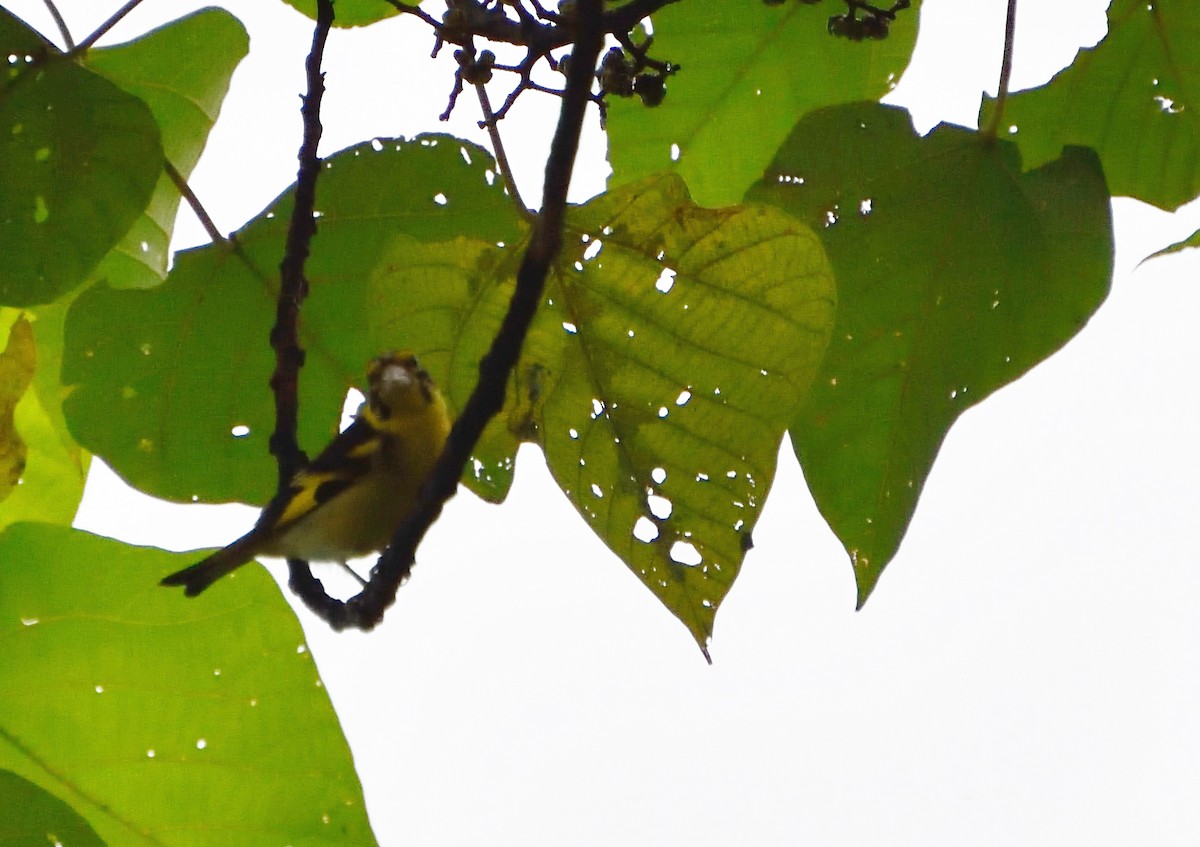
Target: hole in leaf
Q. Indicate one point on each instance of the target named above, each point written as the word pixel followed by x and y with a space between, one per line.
pixel 645 530
pixel 660 506
pixel 685 553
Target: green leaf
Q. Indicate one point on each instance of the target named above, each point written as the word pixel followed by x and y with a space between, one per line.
pixel 349 12
pixel 184 88
pixel 1133 98
pixel 660 373
pixel 749 72
pixel 160 720
pixel 1192 240
pixel 447 299
pixel 78 166
pixel 957 272
pixel 32 817
pixel 160 402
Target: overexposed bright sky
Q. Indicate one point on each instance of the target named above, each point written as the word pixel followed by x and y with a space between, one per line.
pixel 1025 673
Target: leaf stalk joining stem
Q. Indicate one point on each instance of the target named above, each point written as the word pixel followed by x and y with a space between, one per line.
pixel 1010 26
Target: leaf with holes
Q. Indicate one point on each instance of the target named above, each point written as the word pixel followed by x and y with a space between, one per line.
pixel 957 272
pixel 1134 98
pixel 749 71
pixel 164 722
pixel 178 401
pixel 687 337
pixel 660 373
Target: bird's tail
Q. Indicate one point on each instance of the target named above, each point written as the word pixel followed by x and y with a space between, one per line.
pixel 201 575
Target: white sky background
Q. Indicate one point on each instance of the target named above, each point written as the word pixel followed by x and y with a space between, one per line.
pixel 1025 673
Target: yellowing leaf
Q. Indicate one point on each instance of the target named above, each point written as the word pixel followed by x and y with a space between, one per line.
pixel 672 348
pixel 687 338
pixel 17 365
pixel 55 466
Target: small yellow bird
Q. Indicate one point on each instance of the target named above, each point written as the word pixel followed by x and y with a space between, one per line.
pixel 351 499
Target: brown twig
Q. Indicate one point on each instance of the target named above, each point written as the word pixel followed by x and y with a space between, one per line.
pixel 366 610
pixel 229 242
pixel 586 31
pixel 539 34
pixel 489 123
pixel 412 10
pixel 525 83
pixel 59 22
pixel 112 21
pixel 194 202
pixel 293 287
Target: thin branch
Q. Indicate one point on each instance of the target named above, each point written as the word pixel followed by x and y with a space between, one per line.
pixel 1010 27
pixel 413 10
pixel 229 242
pixel 293 287
pixel 489 123
pixel 539 38
pixel 68 42
pixel 454 92
pixel 539 34
pixel 366 610
pixel 289 357
pixel 112 21
pixel 194 202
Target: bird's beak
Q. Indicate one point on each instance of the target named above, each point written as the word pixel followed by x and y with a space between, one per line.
pixel 395 374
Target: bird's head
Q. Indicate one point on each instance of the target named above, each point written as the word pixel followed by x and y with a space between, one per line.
pixel 397 384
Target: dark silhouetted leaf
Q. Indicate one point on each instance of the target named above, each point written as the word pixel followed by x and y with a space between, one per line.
pixel 78 166
pixel 957 272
